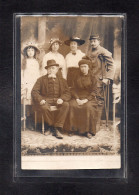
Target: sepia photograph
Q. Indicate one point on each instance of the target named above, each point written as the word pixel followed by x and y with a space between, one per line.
pixel 71 91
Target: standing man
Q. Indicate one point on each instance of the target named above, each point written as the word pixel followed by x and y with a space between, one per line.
pixel 103 68
pixel 51 92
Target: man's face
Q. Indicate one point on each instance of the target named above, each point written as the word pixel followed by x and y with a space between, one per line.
pixel 94 43
pixel 73 45
pixel 55 46
pixel 30 52
pixel 84 68
pixel 52 70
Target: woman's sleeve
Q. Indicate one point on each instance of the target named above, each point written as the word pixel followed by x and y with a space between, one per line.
pixel 64 69
pixel 93 90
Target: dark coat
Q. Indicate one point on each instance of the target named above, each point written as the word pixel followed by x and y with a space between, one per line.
pixel 102 63
pixel 84 86
pixel 40 89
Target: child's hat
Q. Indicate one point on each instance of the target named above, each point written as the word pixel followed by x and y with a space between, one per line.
pixel 94 36
pixel 76 39
pixel 30 44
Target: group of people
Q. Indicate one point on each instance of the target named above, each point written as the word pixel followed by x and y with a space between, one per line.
pixel 70 92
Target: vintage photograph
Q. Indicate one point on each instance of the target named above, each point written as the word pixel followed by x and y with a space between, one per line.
pixel 71 91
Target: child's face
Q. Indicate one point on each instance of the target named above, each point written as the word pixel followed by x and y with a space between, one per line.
pixel 31 52
pixel 94 43
pixel 73 45
pixel 52 70
pixel 55 46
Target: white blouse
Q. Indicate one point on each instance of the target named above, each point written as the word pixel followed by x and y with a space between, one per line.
pixel 59 60
pixel 72 60
pixel 30 75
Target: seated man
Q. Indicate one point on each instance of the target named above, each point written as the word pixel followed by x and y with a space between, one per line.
pixel 52 91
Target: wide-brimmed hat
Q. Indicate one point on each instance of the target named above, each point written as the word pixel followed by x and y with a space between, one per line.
pixel 85 60
pixel 30 44
pixel 54 40
pixel 94 36
pixel 77 39
pixel 51 63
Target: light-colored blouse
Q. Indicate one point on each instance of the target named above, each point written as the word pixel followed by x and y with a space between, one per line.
pixel 73 59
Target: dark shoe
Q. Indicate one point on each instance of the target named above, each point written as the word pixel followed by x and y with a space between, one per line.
pixel 47 132
pixel 58 134
pixel 71 134
pixel 89 135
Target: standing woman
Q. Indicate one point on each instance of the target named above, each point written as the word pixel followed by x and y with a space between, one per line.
pixel 83 106
pixel 30 72
pixel 55 55
pixel 72 58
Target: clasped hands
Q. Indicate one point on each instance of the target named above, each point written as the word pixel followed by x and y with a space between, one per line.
pixel 81 102
pixel 59 101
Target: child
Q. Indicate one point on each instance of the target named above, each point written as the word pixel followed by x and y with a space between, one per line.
pixel 103 68
pixel 30 72
pixel 54 54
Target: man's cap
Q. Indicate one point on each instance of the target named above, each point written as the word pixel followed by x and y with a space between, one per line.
pixel 94 36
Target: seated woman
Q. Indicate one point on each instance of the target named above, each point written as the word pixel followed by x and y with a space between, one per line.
pixel 83 106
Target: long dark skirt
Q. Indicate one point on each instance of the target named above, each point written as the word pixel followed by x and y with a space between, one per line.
pixel 82 118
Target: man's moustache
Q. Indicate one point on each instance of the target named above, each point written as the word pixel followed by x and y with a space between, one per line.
pixel 51 76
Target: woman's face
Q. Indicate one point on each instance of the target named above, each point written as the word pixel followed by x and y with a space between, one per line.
pixel 55 46
pixel 73 45
pixel 84 68
pixel 31 52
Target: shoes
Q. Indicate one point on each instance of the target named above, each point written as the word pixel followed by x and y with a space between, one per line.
pixel 71 134
pixel 58 134
pixel 89 135
pixel 47 133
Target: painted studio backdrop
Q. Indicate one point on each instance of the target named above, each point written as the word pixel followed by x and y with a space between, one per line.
pixel 42 28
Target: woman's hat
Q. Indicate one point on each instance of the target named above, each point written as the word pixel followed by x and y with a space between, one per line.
pixel 30 44
pixel 54 40
pixel 51 63
pixel 85 60
pixel 94 36
pixel 77 39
